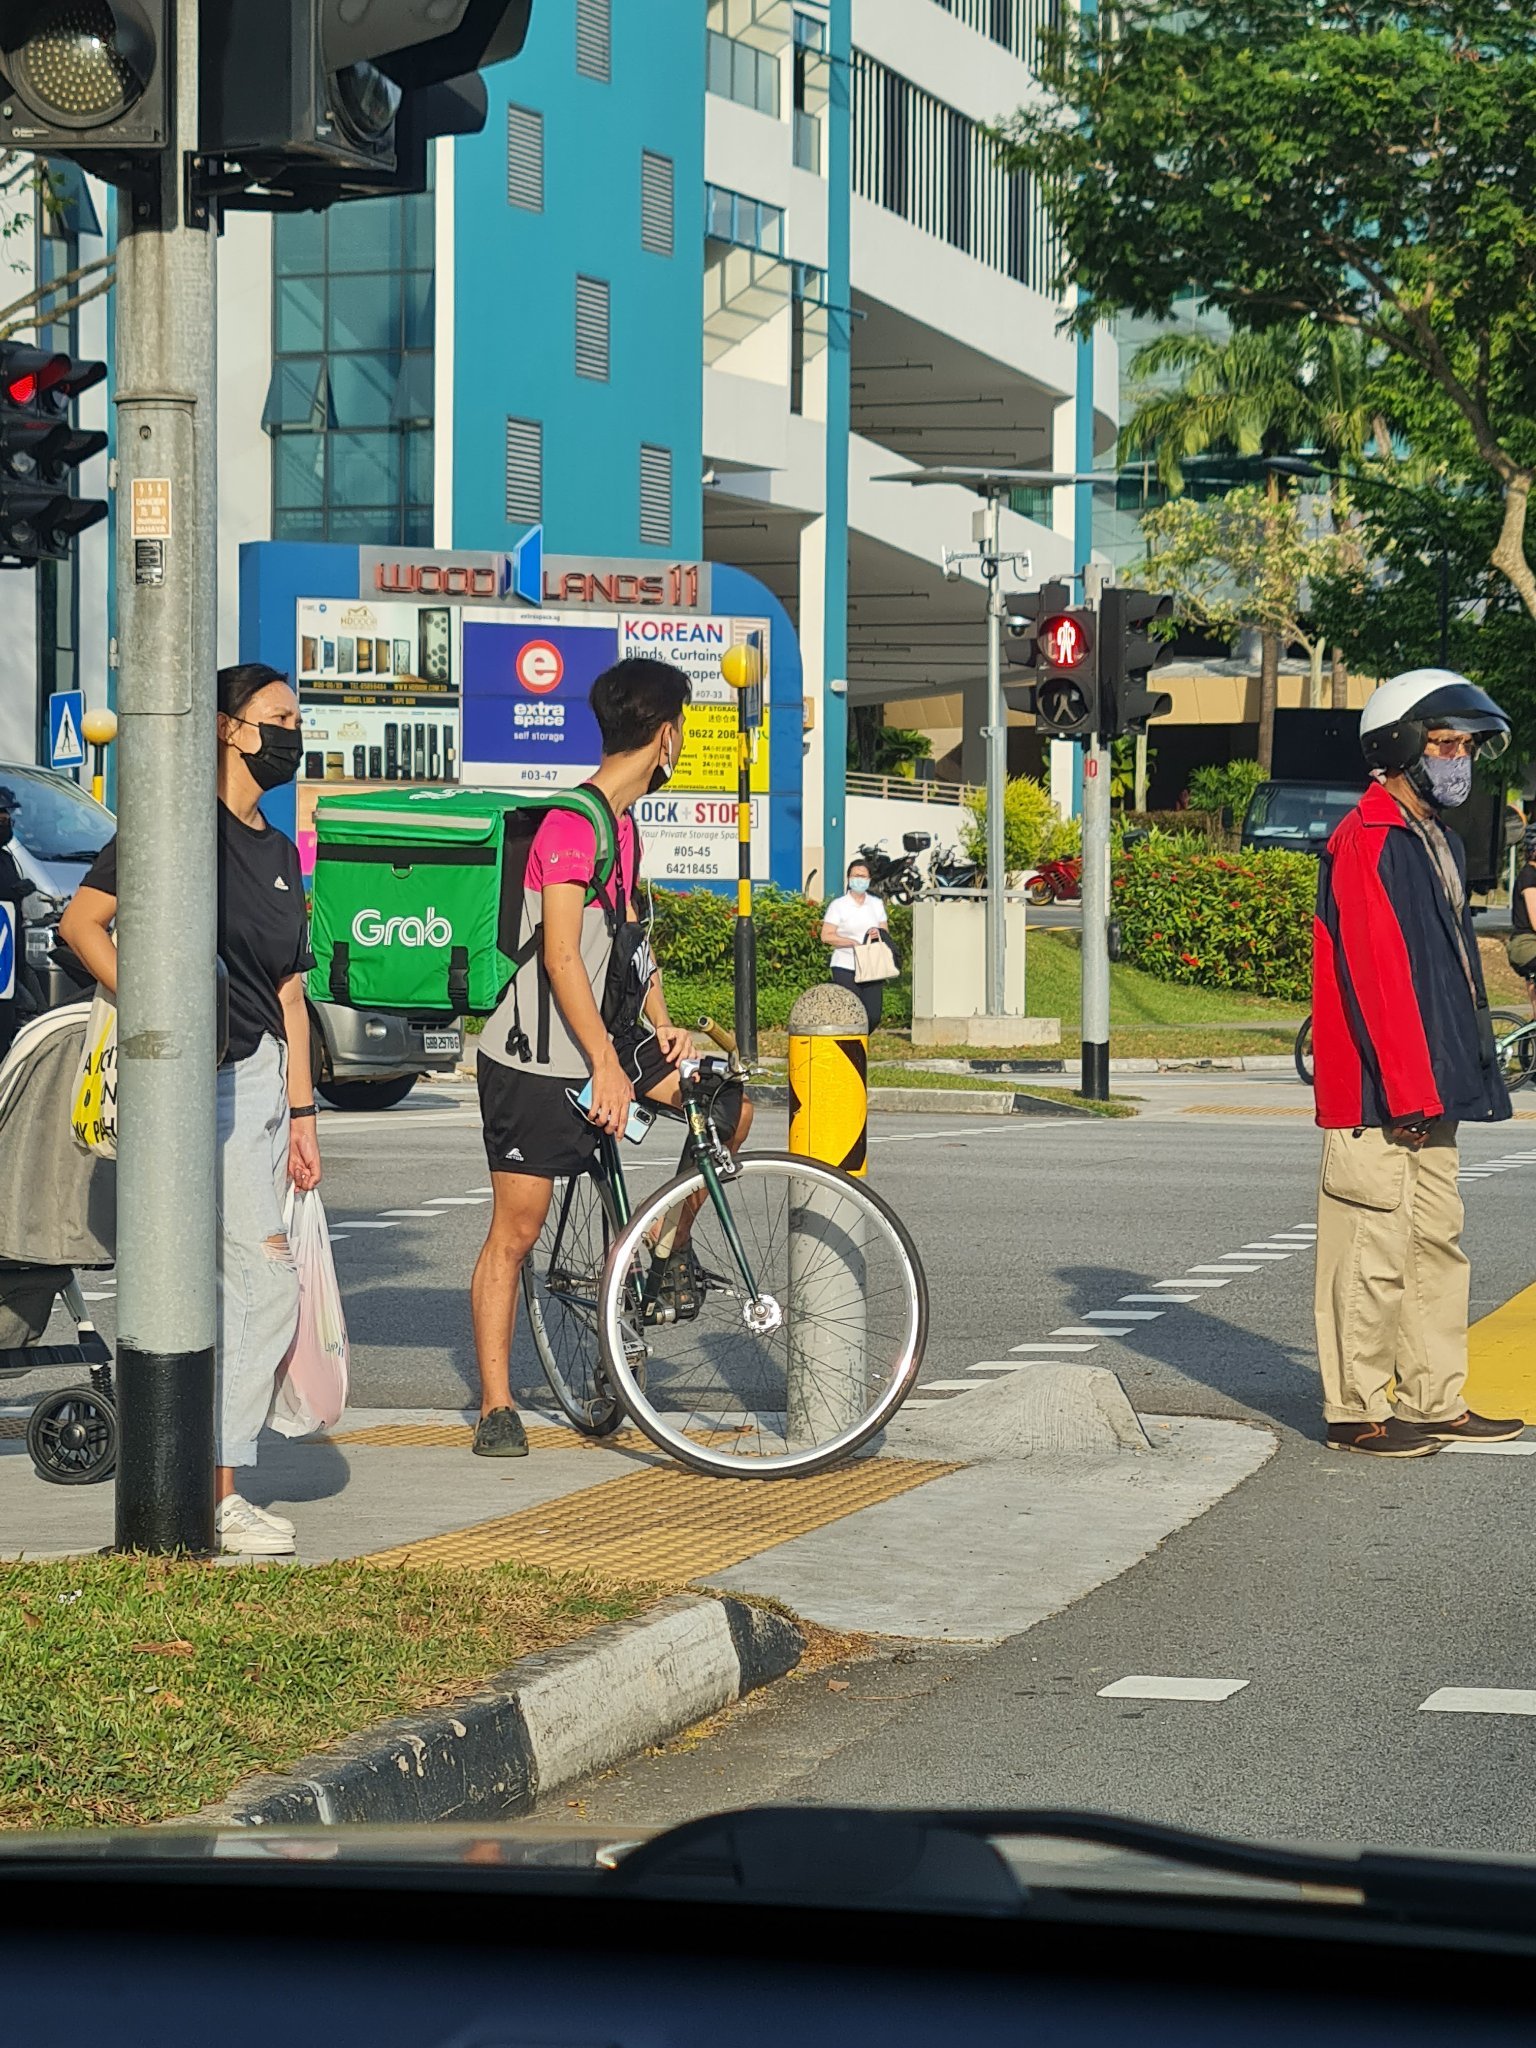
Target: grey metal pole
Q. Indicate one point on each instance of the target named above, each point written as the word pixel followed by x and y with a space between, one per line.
pixel 1096 919
pixel 997 765
pixel 167 520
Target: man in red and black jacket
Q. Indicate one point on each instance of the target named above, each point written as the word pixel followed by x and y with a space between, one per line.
pixel 1403 1051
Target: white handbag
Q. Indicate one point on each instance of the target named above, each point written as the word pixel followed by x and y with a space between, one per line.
pixel 874 961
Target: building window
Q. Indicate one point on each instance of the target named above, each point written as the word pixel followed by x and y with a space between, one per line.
pixel 525 472
pixel 592 328
pixel 746 223
pixel 738 72
pixel 656 205
pixel 937 168
pixel 1018 25
pixel 525 159
pixel 656 497
pixel 350 404
pixel 594 39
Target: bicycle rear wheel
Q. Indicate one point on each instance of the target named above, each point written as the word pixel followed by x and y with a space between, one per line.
pixel 785 1376
pixel 1516 1049
pixel 1302 1051
pixel 562 1276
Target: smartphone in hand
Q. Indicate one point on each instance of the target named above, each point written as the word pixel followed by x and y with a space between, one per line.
pixel 640 1118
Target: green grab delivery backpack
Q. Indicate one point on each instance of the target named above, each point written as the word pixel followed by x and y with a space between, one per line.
pixel 417 897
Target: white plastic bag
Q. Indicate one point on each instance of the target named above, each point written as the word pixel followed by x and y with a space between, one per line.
pixel 311 1386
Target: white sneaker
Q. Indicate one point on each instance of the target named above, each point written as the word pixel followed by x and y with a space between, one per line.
pixel 242 1530
pixel 273 1521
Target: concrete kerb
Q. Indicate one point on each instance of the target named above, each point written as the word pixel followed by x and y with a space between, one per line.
pixel 1029 1409
pixel 548 1720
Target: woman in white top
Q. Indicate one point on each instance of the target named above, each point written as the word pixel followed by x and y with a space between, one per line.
pixel 851 919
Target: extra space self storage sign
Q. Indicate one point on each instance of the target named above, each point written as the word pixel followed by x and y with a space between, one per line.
pixel 527 721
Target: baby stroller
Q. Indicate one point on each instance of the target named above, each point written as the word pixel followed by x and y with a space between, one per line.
pixel 57 1219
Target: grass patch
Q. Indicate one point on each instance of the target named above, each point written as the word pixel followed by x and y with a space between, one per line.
pixel 134 1690
pixel 990 1084
pixel 1137 1000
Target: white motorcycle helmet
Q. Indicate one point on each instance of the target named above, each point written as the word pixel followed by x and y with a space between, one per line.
pixel 1400 713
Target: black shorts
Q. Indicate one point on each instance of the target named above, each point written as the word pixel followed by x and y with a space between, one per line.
pixel 531 1126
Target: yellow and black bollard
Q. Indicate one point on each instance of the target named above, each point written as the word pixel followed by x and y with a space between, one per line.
pixel 829 1078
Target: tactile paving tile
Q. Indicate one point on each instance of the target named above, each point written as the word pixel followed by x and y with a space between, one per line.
pixel 667 1524
pixel 411 1436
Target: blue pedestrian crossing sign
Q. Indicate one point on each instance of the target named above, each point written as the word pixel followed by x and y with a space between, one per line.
pixel 7 951
pixel 66 742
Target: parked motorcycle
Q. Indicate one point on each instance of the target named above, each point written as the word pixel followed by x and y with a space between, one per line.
pixel 896 879
pixel 1056 881
pixel 949 868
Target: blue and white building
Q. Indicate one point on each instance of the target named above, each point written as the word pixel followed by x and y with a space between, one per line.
pixel 609 319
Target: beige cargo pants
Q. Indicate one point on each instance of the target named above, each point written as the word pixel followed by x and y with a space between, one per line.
pixel 1392 1278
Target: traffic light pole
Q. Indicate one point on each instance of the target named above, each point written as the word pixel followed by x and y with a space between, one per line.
pixel 1095 919
pixel 997 765
pixel 166 566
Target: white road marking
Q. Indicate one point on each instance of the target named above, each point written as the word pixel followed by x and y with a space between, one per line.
pixel 1479 1699
pixel 1147 1688
pixel 336 1238
pixel 945 1387
pixel 1259 1251
pixel 477 1191
pixel 1073 1329
pixel 1004 1364
pixel 1127 1315
pixel 87 1295
pixel 365 1223
pixel 456 1201
pixel 411 1212
pixel 1223 1268
pixel 1160 1297
pixel 1190 1283
pixel 1050 1347
pixel 1519 1447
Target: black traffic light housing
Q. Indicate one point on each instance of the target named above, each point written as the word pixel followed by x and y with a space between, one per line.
pixel 1019 642
pixel 87 79
pixel 1059 641
pixel 40 449
pixel 1128 650
pixel 321 100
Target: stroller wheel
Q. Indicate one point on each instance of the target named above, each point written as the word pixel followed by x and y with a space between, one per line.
pixel 72 1437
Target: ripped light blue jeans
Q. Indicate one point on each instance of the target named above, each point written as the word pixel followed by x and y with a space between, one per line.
pixel 258 1285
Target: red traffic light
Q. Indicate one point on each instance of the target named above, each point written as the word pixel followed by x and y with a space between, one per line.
pixel 1063 643
pixel 23 390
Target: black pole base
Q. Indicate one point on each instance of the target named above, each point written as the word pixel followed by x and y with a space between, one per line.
pixel 165 1451
pixel 1095 1072
pixel 745 963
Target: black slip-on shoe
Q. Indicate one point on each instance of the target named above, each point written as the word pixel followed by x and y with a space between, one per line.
pixel 1467 1428
pixel 500 1435
pixel 1389 1439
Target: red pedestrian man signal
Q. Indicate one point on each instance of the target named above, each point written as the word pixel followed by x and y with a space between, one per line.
pixel 1062 642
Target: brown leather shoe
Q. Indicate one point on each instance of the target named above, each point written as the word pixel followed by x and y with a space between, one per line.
pixel 1467 1428
pixel 1389 1439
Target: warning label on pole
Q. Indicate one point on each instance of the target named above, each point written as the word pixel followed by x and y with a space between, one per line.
pixel 149 516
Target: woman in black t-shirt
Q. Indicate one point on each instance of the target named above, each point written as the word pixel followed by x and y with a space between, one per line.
pixel 1522 918
pixel 266 1108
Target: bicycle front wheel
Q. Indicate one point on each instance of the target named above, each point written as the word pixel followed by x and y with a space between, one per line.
pixel 562 1277
pixel 799 1336
pixel 1517 1049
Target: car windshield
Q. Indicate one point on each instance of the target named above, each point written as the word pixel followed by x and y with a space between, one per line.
pixel 1300 812
pixel 54 820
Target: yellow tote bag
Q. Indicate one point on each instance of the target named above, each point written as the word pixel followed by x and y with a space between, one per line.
pixel 93 1105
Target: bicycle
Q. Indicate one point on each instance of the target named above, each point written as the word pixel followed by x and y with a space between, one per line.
pixel 806 1316
pixel 1515 1050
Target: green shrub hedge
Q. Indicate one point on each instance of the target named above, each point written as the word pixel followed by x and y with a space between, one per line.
pixel 694 937
pixel 1242 922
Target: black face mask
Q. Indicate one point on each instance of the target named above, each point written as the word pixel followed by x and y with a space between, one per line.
pixel 277 759
pixel 5 828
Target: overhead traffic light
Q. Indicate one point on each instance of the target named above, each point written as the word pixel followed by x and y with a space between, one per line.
pixel 1127 651
pixel 88 79
pixel 330 99
pixel 40 449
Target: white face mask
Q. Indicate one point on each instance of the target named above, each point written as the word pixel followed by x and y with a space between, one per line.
pixel 858 885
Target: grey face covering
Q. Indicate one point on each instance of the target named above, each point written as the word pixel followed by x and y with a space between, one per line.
pixel 1449 782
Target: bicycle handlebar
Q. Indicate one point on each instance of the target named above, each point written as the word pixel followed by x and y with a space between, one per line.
pixel 726 1040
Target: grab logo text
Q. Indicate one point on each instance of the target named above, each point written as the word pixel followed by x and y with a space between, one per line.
pixel 371 928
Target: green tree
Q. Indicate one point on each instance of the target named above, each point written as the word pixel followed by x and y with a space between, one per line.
pixel 1362 163
pixel 1245 560
pixel 1029 818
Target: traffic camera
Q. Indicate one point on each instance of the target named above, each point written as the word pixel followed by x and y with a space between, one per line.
pixel 40 450
pixel 1128 650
